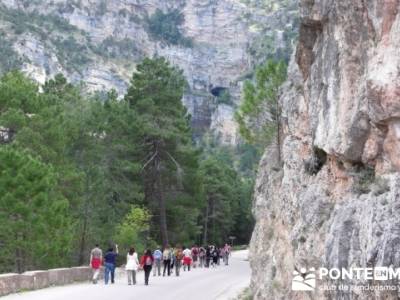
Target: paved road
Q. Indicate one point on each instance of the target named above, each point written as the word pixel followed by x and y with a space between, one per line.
pixel 220 283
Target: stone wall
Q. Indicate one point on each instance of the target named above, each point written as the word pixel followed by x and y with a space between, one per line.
pixel 34 280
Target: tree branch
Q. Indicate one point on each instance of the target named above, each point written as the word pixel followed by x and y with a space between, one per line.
pixel 149 161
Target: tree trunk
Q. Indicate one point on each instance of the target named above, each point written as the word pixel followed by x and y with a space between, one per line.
pixel 213 235
pixel 18 260
pixel 82 245
pixel 205 228
pixel 162 206
pixel 18 251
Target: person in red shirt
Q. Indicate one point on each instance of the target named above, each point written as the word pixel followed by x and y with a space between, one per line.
pixel 146 262
pixel 96 258
pixel 187 259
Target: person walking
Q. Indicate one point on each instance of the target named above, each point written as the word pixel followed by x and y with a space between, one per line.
pixel 178 260
pixel 132 264
pixel 227 253
pixel 195 255
pixel 96 259
pixel 187 259
pixel 202 256
pixel 214 255
pixel 109 264
pixel 172 260
pixel 220 255
pixel 208 256
pixel 157 255
pixel 167 260
pixel 146 263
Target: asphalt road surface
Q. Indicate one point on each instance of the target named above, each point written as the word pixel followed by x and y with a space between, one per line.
pixel 219 283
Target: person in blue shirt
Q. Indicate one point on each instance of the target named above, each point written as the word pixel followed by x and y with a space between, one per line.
pixel 109 264
pixel 157 254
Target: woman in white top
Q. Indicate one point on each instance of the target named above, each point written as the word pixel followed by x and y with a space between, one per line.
pixel 132 264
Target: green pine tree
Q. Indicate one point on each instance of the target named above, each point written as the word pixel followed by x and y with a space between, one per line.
pixel 259 113
pixel 34 220
pixel 220 183
pixel 167 153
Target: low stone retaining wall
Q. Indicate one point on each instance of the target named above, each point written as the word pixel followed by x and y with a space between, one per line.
pixel 34 280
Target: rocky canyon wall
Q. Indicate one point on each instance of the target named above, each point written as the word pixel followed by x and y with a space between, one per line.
pixel 100 42
pixel 334 201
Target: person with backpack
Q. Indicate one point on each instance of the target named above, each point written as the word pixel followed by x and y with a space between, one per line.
pixel 157 255
pixel 178 260
pixel 167 255
pixel 172 260
pixel 214 255
pixel 132 264
pixel 110 263
pixel 195 255
pixel 187 259
pixel 146 264
pixel 208 256
pixel 96 259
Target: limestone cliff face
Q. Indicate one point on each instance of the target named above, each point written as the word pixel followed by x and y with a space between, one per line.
pixel 334 202
pixel 102 41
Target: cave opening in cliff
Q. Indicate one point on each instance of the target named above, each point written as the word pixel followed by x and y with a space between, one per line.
pixel 315 163
pixel 218 91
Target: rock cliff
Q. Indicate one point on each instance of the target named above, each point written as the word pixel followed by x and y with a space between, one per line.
pixel 334 201
pixel 99 42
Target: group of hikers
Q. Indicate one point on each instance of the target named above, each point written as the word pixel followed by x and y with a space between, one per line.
pixel 168 259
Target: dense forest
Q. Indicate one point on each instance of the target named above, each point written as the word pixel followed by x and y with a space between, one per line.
pixel 79 169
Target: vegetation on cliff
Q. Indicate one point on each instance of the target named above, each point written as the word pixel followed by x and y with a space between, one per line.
pixel 259 113
pixel 166 27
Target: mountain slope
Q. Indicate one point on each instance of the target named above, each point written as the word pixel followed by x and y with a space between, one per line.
pixel 216 43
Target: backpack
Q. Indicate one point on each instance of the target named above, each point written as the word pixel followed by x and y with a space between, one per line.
pixel 179 255
pixel 148 261
pixel 167 254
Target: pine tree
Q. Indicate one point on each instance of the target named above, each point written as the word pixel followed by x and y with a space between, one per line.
pixel 19 101
pixel 155 95
pixel 220 184
pixel 34 225
pixel 259 114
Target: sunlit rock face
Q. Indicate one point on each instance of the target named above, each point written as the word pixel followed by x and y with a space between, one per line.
pixel 223 34
pixel 334 202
